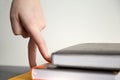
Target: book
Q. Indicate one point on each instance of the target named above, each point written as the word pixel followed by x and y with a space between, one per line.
pixel 52 72
pixel 89 55
pixel 24 76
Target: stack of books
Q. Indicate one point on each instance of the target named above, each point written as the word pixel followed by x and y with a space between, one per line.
pixel 89 61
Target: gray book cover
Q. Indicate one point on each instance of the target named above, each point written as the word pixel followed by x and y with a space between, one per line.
pixel 89 55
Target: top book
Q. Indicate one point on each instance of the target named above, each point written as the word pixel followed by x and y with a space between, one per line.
pixel 89 55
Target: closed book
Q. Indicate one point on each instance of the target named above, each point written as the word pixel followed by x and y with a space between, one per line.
pixel 89 55
pixel 52 72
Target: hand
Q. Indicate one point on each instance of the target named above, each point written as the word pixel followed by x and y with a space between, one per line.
pixel 27 20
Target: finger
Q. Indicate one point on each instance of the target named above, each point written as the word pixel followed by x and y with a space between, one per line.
pixel 33 27
pixel 37 36
pixel 32 48
pixel 17 27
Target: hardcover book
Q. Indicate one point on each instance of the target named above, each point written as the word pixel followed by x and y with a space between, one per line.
pixel 52 72
pixel 89 55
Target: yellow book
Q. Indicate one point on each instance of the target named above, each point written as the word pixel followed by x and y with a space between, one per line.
pixel 24 76
pixel 27 75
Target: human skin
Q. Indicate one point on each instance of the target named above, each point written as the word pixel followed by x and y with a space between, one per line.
pixel 27 20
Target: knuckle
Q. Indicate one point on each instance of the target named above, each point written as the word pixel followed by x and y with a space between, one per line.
pixel 16 33
pixel 42 26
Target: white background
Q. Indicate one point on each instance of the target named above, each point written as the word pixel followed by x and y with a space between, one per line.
pixel 69 22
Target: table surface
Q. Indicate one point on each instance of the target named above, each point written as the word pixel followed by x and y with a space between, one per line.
pixel 7 72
